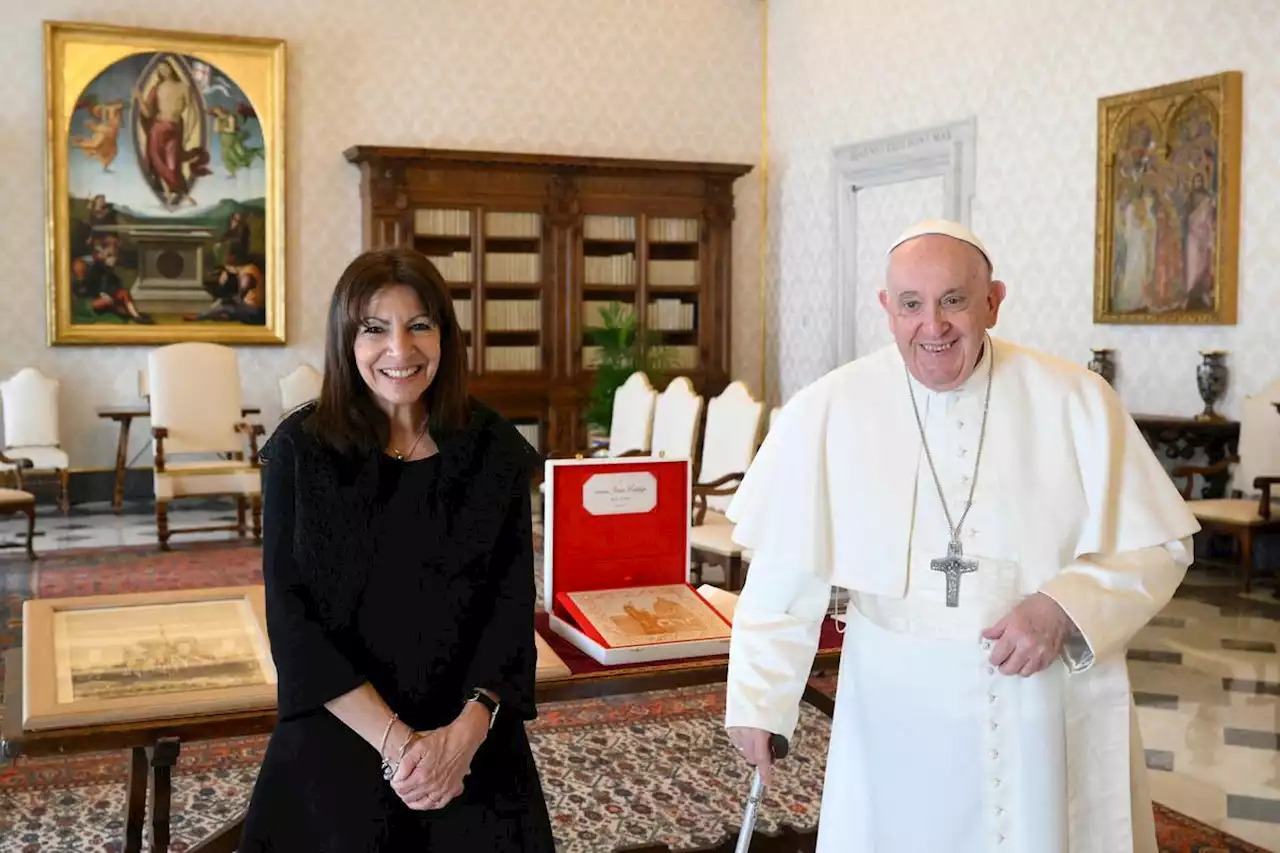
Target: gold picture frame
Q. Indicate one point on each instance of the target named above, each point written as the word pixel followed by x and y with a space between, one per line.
pixel 165 206
pixel 1168 203
pixel 97 660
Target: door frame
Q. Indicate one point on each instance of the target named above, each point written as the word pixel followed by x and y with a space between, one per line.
pixel 944 150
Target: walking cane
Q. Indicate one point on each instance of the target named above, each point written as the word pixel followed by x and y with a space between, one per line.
pixel 778 749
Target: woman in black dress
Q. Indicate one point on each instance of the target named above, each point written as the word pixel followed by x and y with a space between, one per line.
pixel 398 564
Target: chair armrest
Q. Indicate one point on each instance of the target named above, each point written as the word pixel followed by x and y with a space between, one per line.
pixel 1190 471
pixel 719 487
pixel 254 430
pixel 159 434
pixel 18 464
pixel 1264 484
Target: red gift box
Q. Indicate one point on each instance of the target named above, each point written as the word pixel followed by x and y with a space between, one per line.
pixel 623 524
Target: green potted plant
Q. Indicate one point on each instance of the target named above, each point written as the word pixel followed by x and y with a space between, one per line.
pixel 622 351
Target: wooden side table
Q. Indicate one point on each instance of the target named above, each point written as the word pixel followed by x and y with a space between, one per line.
pixel 124 416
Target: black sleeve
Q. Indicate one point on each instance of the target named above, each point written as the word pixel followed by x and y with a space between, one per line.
pixel 506 658
pixel 310 669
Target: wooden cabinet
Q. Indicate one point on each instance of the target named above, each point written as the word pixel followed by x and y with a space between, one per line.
pixel 533 246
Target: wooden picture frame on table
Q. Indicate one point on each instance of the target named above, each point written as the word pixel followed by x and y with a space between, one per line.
pixel 165 217
pixel 98 660
pixel 1168 203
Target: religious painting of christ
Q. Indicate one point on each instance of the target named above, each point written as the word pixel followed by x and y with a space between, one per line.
pixel 1168 203
pixel 166 193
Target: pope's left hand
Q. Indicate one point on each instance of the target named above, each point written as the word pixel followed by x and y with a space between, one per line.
pixel 1030 637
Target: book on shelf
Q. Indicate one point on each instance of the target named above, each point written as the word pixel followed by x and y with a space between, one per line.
pixel 681 272
pixel 610 270
pixel 512 358
pixel 436 222
pixel 611 228
pixel 512 226
pixel 512 267
pixel 670 315
pixel 513 315
pixel 668 230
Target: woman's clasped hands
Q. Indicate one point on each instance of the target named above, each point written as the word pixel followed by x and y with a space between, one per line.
pixel 435 762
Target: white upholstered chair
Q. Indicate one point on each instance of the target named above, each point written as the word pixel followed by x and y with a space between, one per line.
pixel 199 435
pixel 1253 505
pixel 299 387
pixel 729 442
pixel 677 415
pixel 631 423
pixel 31 427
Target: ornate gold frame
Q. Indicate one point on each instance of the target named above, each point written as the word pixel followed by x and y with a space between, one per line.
pixel 1225 92
pixel 74 54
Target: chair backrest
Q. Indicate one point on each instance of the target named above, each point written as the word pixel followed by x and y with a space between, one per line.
pixel 731 437
pixel 676 416
pixel 1259 447
pixel 301 385
pixel 30 409
pixel 195 395
pixel 631 425
pixel 773 416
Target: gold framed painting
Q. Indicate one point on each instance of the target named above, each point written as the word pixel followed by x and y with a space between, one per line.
pixel 165 186
pixel 1168 196
pixel 103 659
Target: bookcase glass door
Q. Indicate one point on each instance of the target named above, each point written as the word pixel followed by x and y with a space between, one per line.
pixel 673 289
pixel 512 292
pixel 610 276
pixel 446 236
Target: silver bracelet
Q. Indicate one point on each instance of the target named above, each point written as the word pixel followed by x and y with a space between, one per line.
pixel 382 747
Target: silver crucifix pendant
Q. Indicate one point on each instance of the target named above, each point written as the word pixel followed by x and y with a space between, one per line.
pixel 953 566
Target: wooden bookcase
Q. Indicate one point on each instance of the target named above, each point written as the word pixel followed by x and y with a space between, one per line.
pixel 533 247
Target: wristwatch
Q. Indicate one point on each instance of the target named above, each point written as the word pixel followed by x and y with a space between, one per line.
pixel 488 702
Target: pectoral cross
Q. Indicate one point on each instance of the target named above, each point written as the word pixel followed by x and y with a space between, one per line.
pixel 953 566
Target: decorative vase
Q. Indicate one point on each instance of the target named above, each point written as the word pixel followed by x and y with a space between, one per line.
pixel 1103 363
pixel 1211 379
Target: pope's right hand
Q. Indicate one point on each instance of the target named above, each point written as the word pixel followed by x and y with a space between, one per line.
pixel 753 744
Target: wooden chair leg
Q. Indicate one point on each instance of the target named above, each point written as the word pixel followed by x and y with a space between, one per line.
pixel 31 531
pixel 1246 558
pixel 64 502
pixel 162 524
pixel 242 506
pixel 256 504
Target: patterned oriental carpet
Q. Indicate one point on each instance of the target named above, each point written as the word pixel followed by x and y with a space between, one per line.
pixel 653 768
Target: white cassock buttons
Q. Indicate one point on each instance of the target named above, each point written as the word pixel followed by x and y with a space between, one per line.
pixel 991 670
pixel 994 755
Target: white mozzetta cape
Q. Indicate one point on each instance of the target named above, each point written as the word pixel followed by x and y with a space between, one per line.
pixel 829 501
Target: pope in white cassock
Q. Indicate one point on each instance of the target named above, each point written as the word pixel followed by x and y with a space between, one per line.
pixel 1004 531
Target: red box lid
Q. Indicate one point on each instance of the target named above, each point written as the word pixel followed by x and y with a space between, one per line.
pixel 637 535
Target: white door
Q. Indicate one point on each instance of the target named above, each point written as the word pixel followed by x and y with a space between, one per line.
pixel 884 212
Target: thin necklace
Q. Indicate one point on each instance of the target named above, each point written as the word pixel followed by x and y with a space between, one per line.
pixel 954 544
pixel 400 456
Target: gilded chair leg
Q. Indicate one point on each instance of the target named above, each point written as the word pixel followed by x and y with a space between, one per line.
pixel 31 532
pixel 64 503
pixel 162 524
pixel 241 510
pixel 257 518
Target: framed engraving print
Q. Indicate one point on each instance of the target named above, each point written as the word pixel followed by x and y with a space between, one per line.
pixel 165 186
pixel 1168 203
pixel 105 659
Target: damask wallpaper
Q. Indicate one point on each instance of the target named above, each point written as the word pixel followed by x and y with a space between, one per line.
pixel 1031 74
pixel 644 78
